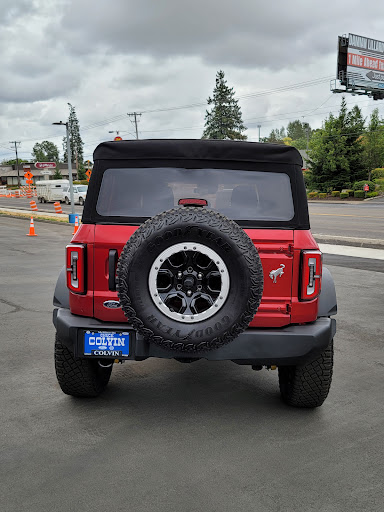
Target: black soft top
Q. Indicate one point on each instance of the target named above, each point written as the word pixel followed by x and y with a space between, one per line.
pixel 199 154
pixel 211 150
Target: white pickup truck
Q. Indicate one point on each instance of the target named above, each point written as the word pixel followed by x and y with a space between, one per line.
pixel 79 194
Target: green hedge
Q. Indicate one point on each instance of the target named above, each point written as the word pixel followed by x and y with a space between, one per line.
pixel 377 173
pixel 350 191
pixel 322 195
pixel 81 182
pixel 372 194
pixel 359 185
pixel 335 193
pixel 380 183
pixel 344 195
pixel 359 193
pixel 311 195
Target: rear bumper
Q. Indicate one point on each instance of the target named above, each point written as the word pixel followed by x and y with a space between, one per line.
pixel 290 345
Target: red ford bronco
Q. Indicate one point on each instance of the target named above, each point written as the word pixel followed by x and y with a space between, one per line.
pixel 193 249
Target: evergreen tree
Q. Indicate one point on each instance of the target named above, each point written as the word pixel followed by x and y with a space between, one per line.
pixel 224 120
pixel 57 174
pixel 336 150
pixel 373 144
pixel 77 144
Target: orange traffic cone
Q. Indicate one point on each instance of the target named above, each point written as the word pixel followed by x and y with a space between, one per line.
pixel 57 206
pixel 31 228
pixel 76 225
pixel 33 206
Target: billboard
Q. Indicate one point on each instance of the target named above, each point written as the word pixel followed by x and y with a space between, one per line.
pixel 360 66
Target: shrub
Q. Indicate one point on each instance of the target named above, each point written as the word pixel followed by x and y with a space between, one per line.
pixel 335 193
pixel 380 183
pixel 359 193
pixel 350 191
pixel 81 182
pixel 377 173
pixel 372 194
pixel 322 195
pixel 311 195
pixel 344 195
pixel 359 185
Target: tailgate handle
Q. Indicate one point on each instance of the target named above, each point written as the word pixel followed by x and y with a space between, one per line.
pixel 112 264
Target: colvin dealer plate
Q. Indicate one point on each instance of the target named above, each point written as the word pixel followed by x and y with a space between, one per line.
pixel 106 343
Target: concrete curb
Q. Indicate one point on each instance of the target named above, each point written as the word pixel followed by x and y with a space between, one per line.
pixel 368 243
pixel 54 218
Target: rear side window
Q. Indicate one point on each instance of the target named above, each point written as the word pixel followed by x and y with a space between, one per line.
pixel 240 195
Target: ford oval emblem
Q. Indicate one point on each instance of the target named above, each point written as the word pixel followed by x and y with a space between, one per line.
pixel 111 304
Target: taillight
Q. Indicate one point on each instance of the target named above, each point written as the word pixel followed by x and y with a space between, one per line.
pixel 76 271
pixel 311 269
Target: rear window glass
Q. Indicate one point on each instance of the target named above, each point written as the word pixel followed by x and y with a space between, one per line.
pixel 240 195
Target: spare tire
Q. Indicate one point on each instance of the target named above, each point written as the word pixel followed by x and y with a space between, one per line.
pixel 189 279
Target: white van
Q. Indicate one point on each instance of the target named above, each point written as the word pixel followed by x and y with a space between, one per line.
pixel 50 190
pixel 79 194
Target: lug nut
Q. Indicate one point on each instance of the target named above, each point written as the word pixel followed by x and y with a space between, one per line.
pixel 199 275
pixel 190 270
pixel 179 275
pixel 189 293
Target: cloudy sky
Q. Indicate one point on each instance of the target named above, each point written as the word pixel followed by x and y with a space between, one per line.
pixel 160 57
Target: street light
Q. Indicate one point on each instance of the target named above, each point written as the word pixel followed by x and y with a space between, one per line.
pixel 69 158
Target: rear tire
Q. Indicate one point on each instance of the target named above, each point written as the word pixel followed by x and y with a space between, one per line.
pixel 79 377
pixel 307 385
pixel 66 200
pixel 81 201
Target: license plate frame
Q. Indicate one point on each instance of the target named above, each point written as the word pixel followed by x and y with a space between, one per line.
pixel 107 344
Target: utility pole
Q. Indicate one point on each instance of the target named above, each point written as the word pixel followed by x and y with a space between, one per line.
pixel 69 158
pixel 134 115
pixel 17 161
pixel 259 126
pixel 307 133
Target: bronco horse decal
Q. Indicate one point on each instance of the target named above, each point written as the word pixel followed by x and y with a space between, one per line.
pixel 274 274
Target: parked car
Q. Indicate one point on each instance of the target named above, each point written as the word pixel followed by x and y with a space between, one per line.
pixel 79 194
pixel 50 190
pixel 196 249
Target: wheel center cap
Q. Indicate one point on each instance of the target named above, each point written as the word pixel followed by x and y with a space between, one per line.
pixel 189 282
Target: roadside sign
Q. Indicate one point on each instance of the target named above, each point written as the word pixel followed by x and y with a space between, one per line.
pixel 45 165
pixel 88 174
pixel 47 172
pixel 28 176
pixel 366 187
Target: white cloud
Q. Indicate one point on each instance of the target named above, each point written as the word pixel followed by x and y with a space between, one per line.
pixel 111 59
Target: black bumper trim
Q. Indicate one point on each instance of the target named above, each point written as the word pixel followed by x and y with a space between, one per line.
pixel 284 346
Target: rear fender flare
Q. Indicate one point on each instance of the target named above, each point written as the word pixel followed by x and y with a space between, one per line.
pixel 327 298
pixel 61 294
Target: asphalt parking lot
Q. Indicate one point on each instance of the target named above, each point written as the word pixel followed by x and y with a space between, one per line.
pixel 170 437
